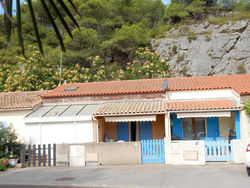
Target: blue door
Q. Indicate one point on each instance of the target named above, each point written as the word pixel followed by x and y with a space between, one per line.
pixel 212 127
pixel 177 127
pixel 122 131
pixel 146 130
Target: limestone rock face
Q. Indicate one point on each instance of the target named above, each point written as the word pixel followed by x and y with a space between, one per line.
pixel 206 49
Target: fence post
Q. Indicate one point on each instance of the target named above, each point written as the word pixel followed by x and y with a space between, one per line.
pixel 34 155
pixel 49 154
pixel 24 154
pixel 39 155
pixel 29 149
pixel 44 155
pixel 54 154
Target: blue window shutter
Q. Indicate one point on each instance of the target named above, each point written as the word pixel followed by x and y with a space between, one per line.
pixel 213 127
pixel 122 131
pixel 146 130
pixel 177 127
pixel 237 124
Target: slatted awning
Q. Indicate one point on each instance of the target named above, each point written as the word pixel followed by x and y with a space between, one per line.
pixel 203 114
pixel 130 118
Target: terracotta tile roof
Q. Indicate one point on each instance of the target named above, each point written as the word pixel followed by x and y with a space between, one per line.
pixel 20 100
pixel 109 88
pixel 240 83
pixel 200 105
pixel 126 108
pixel 154 107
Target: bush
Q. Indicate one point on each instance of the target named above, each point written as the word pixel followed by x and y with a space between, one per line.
pixel 2 168
pixel 180 58
pixel 8 143
pixel 174 49
pixel 247 107
pixel 191 36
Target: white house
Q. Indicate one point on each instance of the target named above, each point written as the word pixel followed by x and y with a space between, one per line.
pixel 14 106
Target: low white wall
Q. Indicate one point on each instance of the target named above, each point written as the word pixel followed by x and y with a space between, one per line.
pixel 184 152
pixel 239 149
pixel 244 125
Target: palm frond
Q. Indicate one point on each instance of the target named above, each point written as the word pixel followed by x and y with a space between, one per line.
pixel 60 17
pixel 74 7
pixel 68 12
pixel 35 26
pixel 54 25
pixel 19 26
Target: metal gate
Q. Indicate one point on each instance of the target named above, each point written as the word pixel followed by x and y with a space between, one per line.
pixel 38 155
pixel 152 151
pixel 218 150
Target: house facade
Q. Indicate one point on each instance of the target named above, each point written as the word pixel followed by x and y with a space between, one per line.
pixel 14 106
pixel 194 117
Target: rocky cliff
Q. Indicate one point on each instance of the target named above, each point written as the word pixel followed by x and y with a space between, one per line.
pixel 206 49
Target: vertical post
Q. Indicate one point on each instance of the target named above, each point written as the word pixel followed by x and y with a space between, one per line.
pixel 54 154
pixel 39 155
pixel 29 151
pixel 34 155
pixel 24 154
pixel 44 154
pixel 237 124
pixel 49 154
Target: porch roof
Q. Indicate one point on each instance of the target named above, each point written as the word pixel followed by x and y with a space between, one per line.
pixel 160 107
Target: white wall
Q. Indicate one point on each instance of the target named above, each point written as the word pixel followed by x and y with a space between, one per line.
pixel 178 152
pixel 16 119
pixel 226 123
pixel 61 132
pixel 244 125
pixel 202 94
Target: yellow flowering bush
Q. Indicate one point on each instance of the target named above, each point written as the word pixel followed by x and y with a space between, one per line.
pixel 38 73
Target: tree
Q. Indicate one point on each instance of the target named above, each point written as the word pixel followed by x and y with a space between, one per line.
pixel 247 107
pixel 176 12
pixel 47 5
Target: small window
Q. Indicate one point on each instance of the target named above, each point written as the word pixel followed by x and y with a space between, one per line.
pixel 72 88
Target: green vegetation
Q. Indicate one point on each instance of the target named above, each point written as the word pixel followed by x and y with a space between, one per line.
pixel 241 69
pixel 174 49
pixel 114 40
pixel 184 70
pixel 247 107
pixel 180 58
pixel 207 38
pixel 191 36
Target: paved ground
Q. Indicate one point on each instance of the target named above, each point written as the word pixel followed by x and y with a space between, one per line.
pixel 222 175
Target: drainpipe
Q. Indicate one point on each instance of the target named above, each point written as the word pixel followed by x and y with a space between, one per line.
pixel 97 138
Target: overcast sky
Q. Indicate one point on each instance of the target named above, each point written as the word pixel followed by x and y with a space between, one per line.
pixel 14 5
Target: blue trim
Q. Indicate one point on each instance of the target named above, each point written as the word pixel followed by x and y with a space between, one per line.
pixel 146 130
pixel 237 123
pixel 213 127
pixel 122 131
pixel 177 127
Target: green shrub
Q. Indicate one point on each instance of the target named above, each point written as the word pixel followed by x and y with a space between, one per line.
pixel 180 58
pixel 241 69
pixel 184 70
pixel 174 49
pixel 157 44
pixel 2 168
pixel 247 107
pixel 191 36
pixel 207 38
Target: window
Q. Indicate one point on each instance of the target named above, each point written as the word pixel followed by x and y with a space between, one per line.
pixel 3 124
pixel 193 128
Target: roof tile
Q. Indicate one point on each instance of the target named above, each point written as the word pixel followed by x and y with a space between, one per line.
pixel 240 83
pixel 20 100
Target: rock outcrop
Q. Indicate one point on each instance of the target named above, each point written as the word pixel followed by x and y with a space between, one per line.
pixel 206 49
